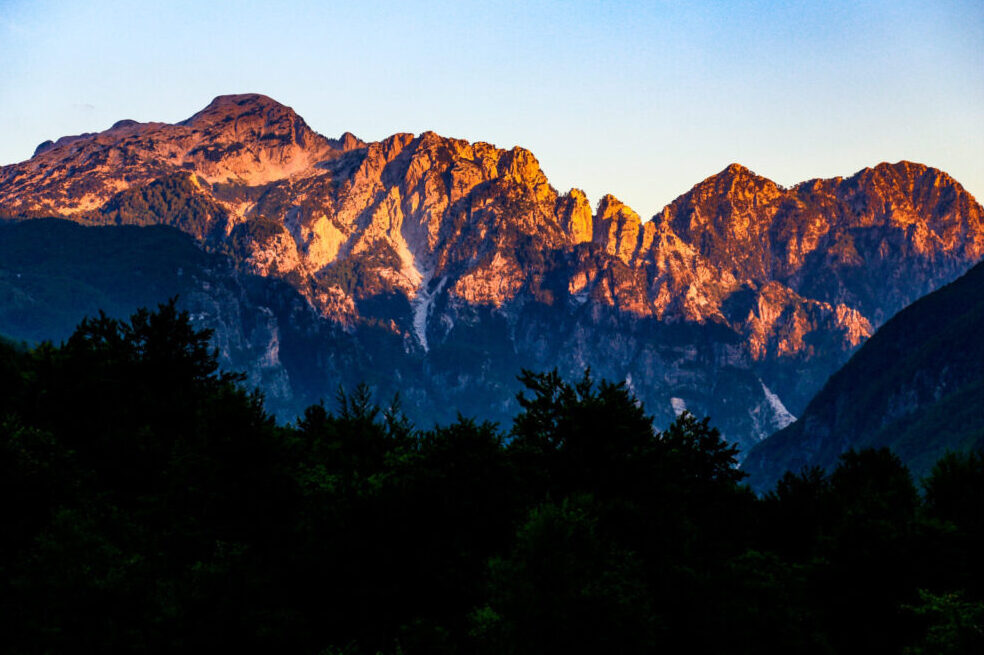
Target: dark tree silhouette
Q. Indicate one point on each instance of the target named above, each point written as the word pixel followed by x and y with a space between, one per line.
pixel 150 504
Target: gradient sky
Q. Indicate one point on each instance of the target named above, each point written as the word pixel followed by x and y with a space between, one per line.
pixel 639 99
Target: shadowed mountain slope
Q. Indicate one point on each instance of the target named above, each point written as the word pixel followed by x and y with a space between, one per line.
pixel 917 386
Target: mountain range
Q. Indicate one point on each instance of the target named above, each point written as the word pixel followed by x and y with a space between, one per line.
pixel 439 268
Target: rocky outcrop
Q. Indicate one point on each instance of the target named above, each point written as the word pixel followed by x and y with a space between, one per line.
pixel 456 247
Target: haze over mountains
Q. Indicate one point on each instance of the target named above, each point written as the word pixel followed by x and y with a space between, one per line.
pixel 439 268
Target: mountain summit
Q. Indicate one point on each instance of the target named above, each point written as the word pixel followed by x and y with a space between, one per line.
pixel 239 105
pixel 737 300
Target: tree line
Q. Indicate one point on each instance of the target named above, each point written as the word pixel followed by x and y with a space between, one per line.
pixel 150 504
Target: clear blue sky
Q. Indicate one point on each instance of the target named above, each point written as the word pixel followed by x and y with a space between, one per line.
pixel 640 99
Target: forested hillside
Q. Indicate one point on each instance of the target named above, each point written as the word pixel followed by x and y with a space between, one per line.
pixel 917 387
pixel 152 505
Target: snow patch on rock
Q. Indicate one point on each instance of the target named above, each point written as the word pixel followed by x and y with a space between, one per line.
pixel 423 304
pixel 783 417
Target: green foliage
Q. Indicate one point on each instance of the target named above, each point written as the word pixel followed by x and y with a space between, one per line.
pixel 139 474
pixel 703 455
pixel 955 626
pixel 872 549
pixel 955 489
pixel 257 230
pixel 52 272
pixel 151 505
pixel 955 498
pixel 358 276
pixel 565 587
pixel 559 426
pixel 173 200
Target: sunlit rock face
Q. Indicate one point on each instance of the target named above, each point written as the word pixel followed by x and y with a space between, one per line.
pixel 737 300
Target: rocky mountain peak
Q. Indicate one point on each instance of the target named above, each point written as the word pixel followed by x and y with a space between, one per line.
pixel 727 217
pixel 929 210
pixel 617 227
pixel 611 209
pixel 734 169
pixel 237 105
pixel 43 147
pixel 713 204
pixel 522 167
pixel 126 122
pixel 347 142
pixel 574 212
pixel 737 182
pixel 252 117
pixel 923 184
pixel 905 176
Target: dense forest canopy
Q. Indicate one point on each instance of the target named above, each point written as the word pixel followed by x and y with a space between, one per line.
pixel 150 504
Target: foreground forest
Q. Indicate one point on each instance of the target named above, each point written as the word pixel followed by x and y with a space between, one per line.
pixel 150 504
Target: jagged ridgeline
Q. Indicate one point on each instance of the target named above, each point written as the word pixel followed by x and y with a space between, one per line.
pixel 439 267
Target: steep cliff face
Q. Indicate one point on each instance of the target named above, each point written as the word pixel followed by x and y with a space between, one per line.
pixel 738 297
